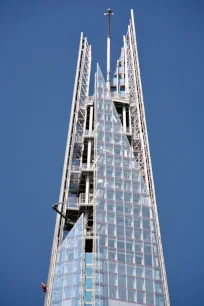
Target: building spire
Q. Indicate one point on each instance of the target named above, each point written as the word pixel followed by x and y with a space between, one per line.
pixel 108 13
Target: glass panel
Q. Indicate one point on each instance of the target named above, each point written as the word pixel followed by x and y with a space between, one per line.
pixel 121 281
pixel 158 288
pixel 140 284
pixel 122 294
pixel 113 292
pixel 149 298
pixel 159 300
pixel 149 285
pixel 112 267
pixel 148 260
pixel 131 271
pixel 126 234
pixel 140 272
pixel 157 274
pixel 113 279
pixel 88 296
pixel 140 297
pixel 148 273
pixel 131 296
pixel 131 282
pixel 121 269
pixel 69 259
pixel 88 283
pixel 88 271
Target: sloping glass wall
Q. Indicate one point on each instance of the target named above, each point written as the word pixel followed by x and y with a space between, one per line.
pixel 67 289
pixel 126 256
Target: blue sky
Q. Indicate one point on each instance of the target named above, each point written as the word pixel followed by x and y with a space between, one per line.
pixel 38 54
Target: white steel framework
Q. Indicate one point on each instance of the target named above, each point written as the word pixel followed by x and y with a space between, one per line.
pixel 139 129
pixel 82 186
pixel 73 149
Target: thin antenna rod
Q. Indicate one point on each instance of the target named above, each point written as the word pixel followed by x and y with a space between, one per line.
pixel 109 13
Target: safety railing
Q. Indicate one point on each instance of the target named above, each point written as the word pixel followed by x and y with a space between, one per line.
pixel 72 202
pixel 87 167
pixel 88 133
pixel 85 200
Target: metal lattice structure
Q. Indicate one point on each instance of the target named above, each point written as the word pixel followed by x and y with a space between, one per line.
pixel 73 152
pixel 140 141
pixel 107 246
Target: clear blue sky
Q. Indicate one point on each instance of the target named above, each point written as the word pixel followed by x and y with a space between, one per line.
pixel 38 54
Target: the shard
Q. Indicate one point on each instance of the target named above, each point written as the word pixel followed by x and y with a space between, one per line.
pixel 107 248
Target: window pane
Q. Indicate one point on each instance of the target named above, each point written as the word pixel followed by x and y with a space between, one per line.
pixel 138 235
pixel 146 212
pixel 131 270
pixel 148 260
pixel 88 283
pixel 146 223
pixel 111 255
pixel 121 257
pixel 131 296
pixel 130 282
pixel 140 284
pixel 128 220
pixel 157 274
pixel 148 273
pixel 119 195
pixel 118 184
pixel 109 171
pixel 113 292
pixel 88 296
pixel 149 299
pixel 159 300
pixel 121 281
pixel 122 294
pixel 111 243
pixel 112 267
pixel 140 297
pixel 149 285
pixel 88 271
pixel 158 288
pixel 129 258
pixel 121 269
pixel 147 248
pixel 139 247
pixel 140 272
pixel 113 279
pixel 121 244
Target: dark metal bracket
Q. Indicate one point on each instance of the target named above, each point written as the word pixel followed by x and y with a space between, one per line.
pixel 67 220
pixel 55 207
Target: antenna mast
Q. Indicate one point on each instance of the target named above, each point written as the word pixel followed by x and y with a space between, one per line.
pixel 108 13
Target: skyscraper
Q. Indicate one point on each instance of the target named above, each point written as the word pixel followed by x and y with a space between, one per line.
pixel 107 247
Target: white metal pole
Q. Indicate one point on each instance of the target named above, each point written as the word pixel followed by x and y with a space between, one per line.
pixel 89 154
pixel 91 119
pixel 108 13
pixel 130 125
pixel 124 119
pixel 87 189
pixel 89 141
pixel 108 63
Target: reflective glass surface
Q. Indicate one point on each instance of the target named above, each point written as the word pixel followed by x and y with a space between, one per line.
pixel 67 289
pixel 127 266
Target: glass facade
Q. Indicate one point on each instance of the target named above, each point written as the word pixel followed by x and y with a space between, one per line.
pixel 127 267
pixel 67 289
pixel 110 250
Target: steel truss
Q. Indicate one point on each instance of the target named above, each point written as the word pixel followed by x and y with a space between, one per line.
pixel 74 149
pixel 140 141
pixel 78 172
